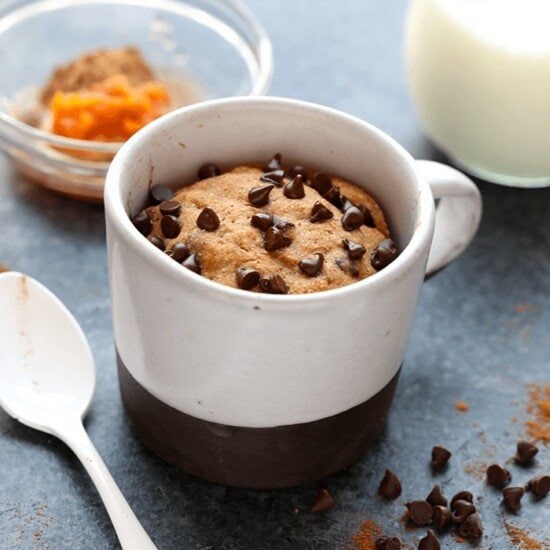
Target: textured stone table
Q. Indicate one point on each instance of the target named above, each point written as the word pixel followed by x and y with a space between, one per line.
pixel 481 334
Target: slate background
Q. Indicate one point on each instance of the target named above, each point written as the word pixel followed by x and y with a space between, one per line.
pixel 468 342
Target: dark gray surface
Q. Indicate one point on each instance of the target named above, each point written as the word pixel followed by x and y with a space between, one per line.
pixel 468 343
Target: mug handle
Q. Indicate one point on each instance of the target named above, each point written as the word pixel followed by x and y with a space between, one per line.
pixel 457 213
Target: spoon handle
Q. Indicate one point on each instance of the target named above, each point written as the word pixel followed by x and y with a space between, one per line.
pixel 131 534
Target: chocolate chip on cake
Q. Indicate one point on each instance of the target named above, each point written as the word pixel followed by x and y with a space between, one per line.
pixel 462 495
pixel 333 196
pixel 143 223
pixel 429 542
pixel 471 527
pixel 170 226
pixel 355 250
pixel 247 278
pixel 275 177
pixel 352 219
pixel 275 163
pixel 436 497
pixel 345 203
pixel 461 510
pixel 208 171
pixel 297 170
pixel 440 456
pixel 420 512
pixel 294 189
pixel 388 543
pixel 390 486
pixel 208 220
pixel 170 208
pixel 259 196
pixel 368 220
pixel 320 213
pixel 193 263
pixel 274 284
pixel 497 476
pixel 282 224
pixel 441 516
pixel 539 486
pixel 323 502
pixel 179 252
pixel 159 243
pixel 385 254
pixel 525 453
pixel 312 266
pixel 321 183
pixel 512 497
pixel 348 267
pixel 275 239
pixel 262 220
pixel 160 193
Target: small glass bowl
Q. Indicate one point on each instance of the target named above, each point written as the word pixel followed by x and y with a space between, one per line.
pixel 216 45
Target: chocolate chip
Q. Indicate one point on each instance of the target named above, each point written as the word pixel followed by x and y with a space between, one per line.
pixel 170 226
pixel 352 219
pixel 208 171
pixel 442 516
pixel 368 220
pixel 461 510
pixel 471 527
pixel 247 278
pixel 390 486
pixel 170 208
pixel 193 263
pixel 539 486
pixel 388 543
pixel 159 243
pixel 259 196
pixel 312 266
pixel 262 220
pixel 512 497
pixel 143 223
pixel 436 497
pixel 273 285
pixel 275 239
pixel 346 204
pixel 297 170
pixel 275 163
pixel 440 457
pixel 462 495
pixel 294 189
pixel 282 224
pixel 208 220
pixel 385 254
pixel 420 512
pixel 348 267
pixel 497 476
pixel 525 452
pixel 160 193
pixel 333 196
pixel 275 177
pixel 429 542
pixel 321 183
pixel 320 213
pixel 355 250
pixel 179 252
pixel 323 502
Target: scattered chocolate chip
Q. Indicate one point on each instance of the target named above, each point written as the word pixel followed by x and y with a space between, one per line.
pixel 390 486
pixel 320 213
pixel 208 171
pixel 539 486
pixel 247 278
pixel 355 250
pixel 275 239
pixel 388 543
pixel 368 220
pixel 442 516
pixel 429 542
pixel 170 226
pixel 525 452
pixel 436 497
pixel 159 243
pixel 282 224
pixel 259 196
pixel 461 510
pixel 143 223
pixel 333 196
pixel 384 254
pixel 352 219
pixel 497 476
pixel 312 266
pixel 275 163
pixel 193 263
pixel 462 495
pixel 170 208
pixel 179 252
pixel 275 177
pixel 420 512
pixel 294 189
pixel 273 285
pixel 208 220
pixel 321 183
pixel 160 193
pixel 471 527
pixel 512 497
pixel 348 267
pixel 440 457
pixel 262 220
pixel 323 502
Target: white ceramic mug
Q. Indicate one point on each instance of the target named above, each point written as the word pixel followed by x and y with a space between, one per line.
pixel 262 390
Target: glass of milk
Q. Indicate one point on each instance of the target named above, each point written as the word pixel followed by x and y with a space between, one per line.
pixel 479 74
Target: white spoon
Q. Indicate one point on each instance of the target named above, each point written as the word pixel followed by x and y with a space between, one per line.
pixel 47 382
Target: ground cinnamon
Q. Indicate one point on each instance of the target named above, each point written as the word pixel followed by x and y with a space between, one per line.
pixel 538 426
pixel 462 406
pixel 367 535
pixel 521 539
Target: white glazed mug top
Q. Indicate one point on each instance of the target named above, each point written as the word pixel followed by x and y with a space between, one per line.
pixel 255 360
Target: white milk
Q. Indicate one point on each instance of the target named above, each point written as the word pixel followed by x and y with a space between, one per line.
pixel 479 73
